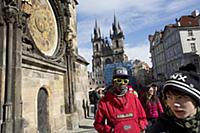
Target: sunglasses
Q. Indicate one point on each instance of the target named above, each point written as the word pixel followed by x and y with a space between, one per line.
pixel 121 81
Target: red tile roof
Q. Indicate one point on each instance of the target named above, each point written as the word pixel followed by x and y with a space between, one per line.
pixel 186 21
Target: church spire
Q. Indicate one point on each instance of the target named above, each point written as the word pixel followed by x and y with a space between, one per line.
pixel 97 32
pixel 116 28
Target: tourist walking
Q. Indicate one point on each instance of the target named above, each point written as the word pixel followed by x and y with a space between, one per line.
pixel 182 97
pixel 119 111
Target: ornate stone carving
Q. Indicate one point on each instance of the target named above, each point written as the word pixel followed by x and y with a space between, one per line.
pixel 10 13
pixel 39 24
pixel 1 20
pixel 10 2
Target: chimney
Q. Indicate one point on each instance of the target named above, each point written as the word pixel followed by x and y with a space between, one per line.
pixel 178 22
pixel 195 13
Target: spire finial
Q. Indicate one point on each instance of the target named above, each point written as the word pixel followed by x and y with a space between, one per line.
pixel 97 32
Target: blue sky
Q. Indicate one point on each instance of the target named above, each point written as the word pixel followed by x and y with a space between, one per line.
pixel 137 18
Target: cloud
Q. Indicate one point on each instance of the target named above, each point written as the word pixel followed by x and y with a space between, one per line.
pixel 87 54
pixel 106 6
pixel 140 51
pixel 85 30
pixel 100 7
pixel 133 15
pixel 103 7
pixel 178 5
pixel 137 19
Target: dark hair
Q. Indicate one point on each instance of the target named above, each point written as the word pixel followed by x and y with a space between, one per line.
pixel 144 98
pixel 173 91
pixel 189 67
pixel 177 92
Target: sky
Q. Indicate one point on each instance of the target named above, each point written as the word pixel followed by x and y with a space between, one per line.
pixel 138 19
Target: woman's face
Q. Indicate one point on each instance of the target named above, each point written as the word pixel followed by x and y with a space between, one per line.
pixel 181 105
pixel 151 91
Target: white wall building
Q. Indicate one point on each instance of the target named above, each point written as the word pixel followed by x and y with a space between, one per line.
pixel 178 44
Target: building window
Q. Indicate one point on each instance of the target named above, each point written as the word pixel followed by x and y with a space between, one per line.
pixel 193 47
pixel 190 33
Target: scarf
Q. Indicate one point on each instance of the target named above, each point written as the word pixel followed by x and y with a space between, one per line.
pixel 118 91
pixel 191 124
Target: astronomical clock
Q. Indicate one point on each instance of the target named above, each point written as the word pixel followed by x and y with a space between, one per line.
pixel 43 27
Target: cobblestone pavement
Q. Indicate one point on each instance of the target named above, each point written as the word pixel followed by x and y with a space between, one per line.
pixel 86 126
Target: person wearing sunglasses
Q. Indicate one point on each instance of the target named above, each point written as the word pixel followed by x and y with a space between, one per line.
pixel 119 111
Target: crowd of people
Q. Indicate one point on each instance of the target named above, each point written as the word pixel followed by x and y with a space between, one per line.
pixel 174 108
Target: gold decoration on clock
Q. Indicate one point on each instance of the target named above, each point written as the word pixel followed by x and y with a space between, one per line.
pixel 43 27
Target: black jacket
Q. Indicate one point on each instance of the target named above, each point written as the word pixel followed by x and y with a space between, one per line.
pixel 165 124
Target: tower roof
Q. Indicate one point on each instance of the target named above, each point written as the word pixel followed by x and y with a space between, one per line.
pixel 97 31
pixel 116 28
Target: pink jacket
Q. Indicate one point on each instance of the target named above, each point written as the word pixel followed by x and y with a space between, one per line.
pixel 153 109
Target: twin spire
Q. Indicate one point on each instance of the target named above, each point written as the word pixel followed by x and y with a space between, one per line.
pixel 116 26
pixel 97 31
pixel 116 30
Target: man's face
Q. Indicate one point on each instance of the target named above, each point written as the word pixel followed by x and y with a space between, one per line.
pixel 120 82
pixel 181 105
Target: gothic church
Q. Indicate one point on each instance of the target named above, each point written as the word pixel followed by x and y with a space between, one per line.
pixel 106 53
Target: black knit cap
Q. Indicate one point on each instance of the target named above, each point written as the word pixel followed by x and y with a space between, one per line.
pixel 186 82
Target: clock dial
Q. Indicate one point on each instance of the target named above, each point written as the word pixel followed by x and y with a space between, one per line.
pixel 43 26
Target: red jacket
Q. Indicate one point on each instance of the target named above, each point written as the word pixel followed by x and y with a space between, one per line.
pixel 124 114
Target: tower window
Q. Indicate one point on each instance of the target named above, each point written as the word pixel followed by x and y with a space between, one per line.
pixel 117 43
pixel 97 47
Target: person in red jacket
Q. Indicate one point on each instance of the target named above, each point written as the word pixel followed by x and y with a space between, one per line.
pixel 119 111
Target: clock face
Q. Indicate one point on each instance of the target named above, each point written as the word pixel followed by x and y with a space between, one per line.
pixel 43 26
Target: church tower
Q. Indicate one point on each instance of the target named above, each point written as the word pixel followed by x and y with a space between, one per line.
pixel 96 40
pixel 117 37
pixel 104 52
pixel 97 65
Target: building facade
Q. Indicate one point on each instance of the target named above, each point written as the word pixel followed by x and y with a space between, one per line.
pixel 157 54
pixel 142 73
pixel 38 73
pixel 81 95
pixel 176 45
